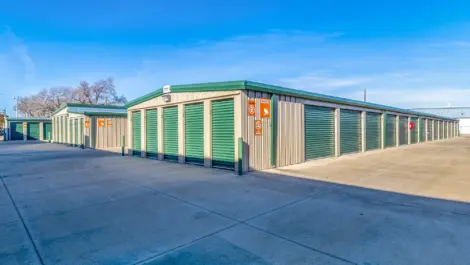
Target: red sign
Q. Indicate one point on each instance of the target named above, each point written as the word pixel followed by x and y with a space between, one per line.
pixel 258 127
pixel 264 108
pixel 101 123
pixel 412 125
pixel 251 107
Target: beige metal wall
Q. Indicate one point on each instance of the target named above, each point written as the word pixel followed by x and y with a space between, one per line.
pixel 257 149
pixel 108 136
pixel 290 132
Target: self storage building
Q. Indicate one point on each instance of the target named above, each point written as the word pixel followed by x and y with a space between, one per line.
pixel 24 129
pixel 245 126
pixel 90 126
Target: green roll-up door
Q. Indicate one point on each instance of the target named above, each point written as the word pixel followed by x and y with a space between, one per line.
pixel 16 130
pixel 47 131
pixel 414 133
pixel 373 131
pixel 350 131
pixel 319 132
pixel 136 133
pixel 391 130
pixel 436 130
pixel 170 133
pixel 441 130
pixel 403 130
pixel 422 130
pixel 151 133
pixel 194 133
pixel 33 131
pixel 223 134
pixel 446 130
pixel 429 129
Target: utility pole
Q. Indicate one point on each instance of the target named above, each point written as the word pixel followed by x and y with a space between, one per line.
pixel 16 107
pixel 365 95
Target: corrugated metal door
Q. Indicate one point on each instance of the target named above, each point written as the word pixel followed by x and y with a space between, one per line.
pixel 373 131
pixel 429 131
pixel 436 130
pixel 441 128
pixel 414 132
pixel 194 133
pixel 422 130
pixel 136 133
pixel 16 130
pixel 391 130
pixel 446 126
pixel 170 133
pixel 47 130
pixel 223 134
pixel 350 131
pixel 66 133
pixel 56 130
pixel 72 132
pixel 81 132
pixel 75 130
pixel 33 132
pixel 403 130
pixel 151 133
pixel 319 132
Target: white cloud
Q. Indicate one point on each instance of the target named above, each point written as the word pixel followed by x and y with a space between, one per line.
pixel 315 82
pixel 17 68
pixel 400 75
pixel 416 98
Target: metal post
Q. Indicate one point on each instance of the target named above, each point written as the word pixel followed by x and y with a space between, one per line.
pixel 240 156
pixel 122 145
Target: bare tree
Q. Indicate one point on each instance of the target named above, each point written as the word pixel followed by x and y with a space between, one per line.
pixel 101 92
pixel 45 102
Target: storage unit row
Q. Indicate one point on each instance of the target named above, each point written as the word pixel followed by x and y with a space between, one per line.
pixel 246 126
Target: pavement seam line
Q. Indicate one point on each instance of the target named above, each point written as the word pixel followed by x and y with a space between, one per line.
pixel 185 244
pixel 238 223
pixel 181 200
pixel 85 207
pixel 24 225
pixel 300 244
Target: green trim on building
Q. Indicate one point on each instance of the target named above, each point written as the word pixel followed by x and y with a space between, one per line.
pixel 248 85
pixel 87 106
pixel 273 130
pixel 28 119
pixel 101 113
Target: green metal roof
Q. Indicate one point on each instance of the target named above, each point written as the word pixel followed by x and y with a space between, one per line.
pixel 28 119
pixel 248 85
pixel 87 106
pixel 100 113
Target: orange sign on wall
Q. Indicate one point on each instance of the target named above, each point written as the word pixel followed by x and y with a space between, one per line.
pixel 87 124
pixel 258 127
pixel 251 107
pixel 101 123
pixel 25 125
pixel 264 108
pixel 110 123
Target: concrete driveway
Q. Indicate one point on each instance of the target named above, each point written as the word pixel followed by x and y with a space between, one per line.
pixel 61 205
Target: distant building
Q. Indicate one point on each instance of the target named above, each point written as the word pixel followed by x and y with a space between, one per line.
pixel 460 113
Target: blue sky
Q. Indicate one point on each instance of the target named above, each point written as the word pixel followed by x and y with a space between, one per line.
pixel 406 54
